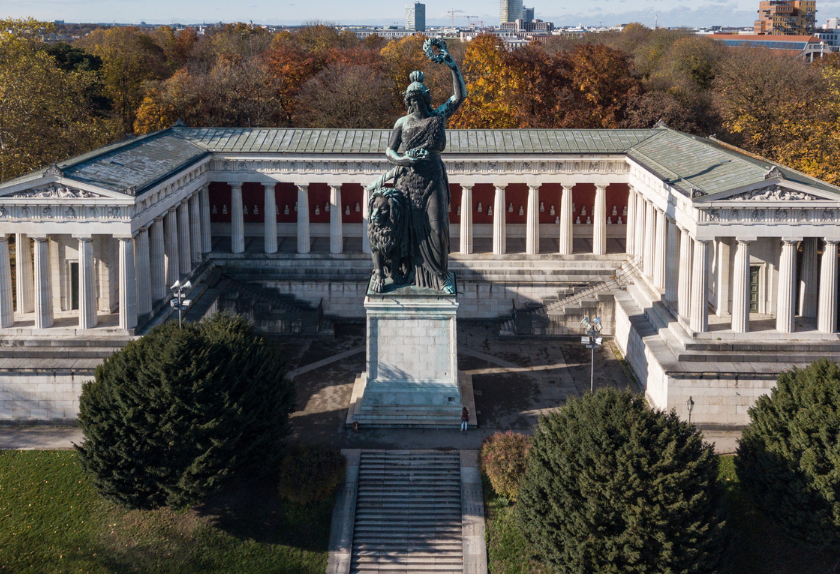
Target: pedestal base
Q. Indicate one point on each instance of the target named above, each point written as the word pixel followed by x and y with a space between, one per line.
pixel 412 374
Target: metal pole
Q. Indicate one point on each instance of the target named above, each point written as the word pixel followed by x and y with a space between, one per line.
pixel 592 368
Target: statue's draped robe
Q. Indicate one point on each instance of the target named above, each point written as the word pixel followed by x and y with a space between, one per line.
pixel 427 187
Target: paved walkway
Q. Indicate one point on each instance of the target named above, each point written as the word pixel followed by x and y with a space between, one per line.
pixel 515 381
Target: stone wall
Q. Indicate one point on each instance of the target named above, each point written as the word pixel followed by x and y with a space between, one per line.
pixel 41 397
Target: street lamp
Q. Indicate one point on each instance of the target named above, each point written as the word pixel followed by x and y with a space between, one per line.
pixel 179 302
pixel 591 340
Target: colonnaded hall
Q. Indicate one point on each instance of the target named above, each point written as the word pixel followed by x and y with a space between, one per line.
pixel 713 269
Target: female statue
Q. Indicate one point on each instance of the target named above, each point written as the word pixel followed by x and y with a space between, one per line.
pixel 415 146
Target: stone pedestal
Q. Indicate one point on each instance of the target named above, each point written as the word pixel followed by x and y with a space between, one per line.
pixel 412 361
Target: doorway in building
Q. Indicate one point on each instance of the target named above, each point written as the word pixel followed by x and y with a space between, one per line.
pixel 74 285
pixel 754 274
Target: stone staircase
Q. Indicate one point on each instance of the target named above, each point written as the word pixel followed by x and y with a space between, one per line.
pixel 408 513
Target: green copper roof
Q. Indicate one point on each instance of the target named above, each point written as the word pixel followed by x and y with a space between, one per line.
pixel 685 161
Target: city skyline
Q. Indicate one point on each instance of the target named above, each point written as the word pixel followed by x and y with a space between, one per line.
pixel 562 12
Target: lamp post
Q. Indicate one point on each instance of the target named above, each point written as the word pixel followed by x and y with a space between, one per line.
pixel 179 302
pixel 591 340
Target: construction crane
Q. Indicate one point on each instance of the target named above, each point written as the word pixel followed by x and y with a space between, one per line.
pixel 468 19
pixel 452 15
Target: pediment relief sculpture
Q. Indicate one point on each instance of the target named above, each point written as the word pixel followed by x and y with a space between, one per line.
pixel 55 192
pixel 774 193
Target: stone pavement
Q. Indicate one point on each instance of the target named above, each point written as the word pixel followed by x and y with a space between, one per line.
pixel 514 381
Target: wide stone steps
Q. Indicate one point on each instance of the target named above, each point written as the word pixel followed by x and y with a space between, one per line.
pixel 408 513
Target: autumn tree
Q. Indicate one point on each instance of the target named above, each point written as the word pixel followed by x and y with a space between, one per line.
pixel 539 96
pixel 345 97
pixel 492 84
pixel 46 110
pixel 130 57
pixel 400 58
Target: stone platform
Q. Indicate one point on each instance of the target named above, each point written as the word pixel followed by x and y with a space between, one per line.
pixel 412 375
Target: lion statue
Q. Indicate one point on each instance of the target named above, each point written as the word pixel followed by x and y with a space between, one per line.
pixel 388 211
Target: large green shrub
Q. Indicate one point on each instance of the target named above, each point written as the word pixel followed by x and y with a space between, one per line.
pixel 311 473
pixel 173 415
pixel 613 486
pixel 504 458
pixel 789 456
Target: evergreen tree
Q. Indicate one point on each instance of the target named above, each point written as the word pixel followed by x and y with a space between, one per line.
pixel 173 415
pixel 613 486
pixel 789 456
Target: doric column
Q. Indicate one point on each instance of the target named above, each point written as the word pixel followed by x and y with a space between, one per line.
pixel 170 242
pixel 128 284
pixel 808 278
pixel 184 251
pixel 7 309
pixel 195 229
pixel 672 261
pixel 699 321
pixel 23 271
pixel 722 276
pixel 659 250
pixel 365 215
pixel 157 260
pixel 303 241
pixel 499 229
pixel 466 218
pixel 786 304
pixel 827 319
pixel 144 272
pixel 336 228
pixel 566 231
pixel 741 287
pixel 532 225
pixel 43 285
pixel 684 283
pixel 650 230
pixel 237 219
pixel 88 318
pixel 631 222
pixel 639 243
pixel 599 221
pixel 270 219
pixel 206 234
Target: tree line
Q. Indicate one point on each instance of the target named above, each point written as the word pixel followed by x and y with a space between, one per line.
pixel 57 100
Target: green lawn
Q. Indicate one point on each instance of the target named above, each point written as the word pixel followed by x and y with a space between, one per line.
pixel 51 520
pixel 757 545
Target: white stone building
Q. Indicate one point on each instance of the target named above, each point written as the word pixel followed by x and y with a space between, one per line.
pixel 729 262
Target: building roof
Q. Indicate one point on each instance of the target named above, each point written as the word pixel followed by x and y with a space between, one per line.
pixel 771 41
pixel 686 162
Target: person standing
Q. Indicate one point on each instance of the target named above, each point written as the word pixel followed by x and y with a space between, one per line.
pixel 465 418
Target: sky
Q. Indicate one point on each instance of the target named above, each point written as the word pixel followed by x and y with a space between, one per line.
pixel 390 12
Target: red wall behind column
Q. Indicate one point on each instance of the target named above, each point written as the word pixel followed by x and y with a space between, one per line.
pixel 583 195
pixel 617 194
pixel 351 194
pixel 483 193
pixel 253 196
pixel 454 202
pixel 550 195
pixel 285 194
pixel 219 202
pixel 319 195
pixel 516 194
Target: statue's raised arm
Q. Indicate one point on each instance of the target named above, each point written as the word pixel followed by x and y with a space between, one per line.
pixel 459 87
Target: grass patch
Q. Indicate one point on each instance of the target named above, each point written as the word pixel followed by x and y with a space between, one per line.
pixel 757 545
pixel 52 520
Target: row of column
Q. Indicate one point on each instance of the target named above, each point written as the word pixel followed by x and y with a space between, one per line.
pixel 532 234
pixel 150 261
pixel 678 263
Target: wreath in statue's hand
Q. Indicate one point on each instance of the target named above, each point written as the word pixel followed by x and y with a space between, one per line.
pixel 428 49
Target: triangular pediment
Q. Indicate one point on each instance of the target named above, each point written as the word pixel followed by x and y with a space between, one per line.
pixel 52 187
pixel 776 190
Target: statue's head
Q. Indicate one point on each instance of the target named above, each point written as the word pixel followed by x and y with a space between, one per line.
pixel 417 94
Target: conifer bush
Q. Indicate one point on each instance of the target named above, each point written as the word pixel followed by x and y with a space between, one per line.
pixel 174 415
pixel 614 486
pixel 504 458
pixel 789 457
pixel 311 473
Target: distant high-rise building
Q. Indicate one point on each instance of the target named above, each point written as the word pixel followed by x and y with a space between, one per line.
pixel 527 14
pixel 786 17
pixel 511 11
pixel 415 17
